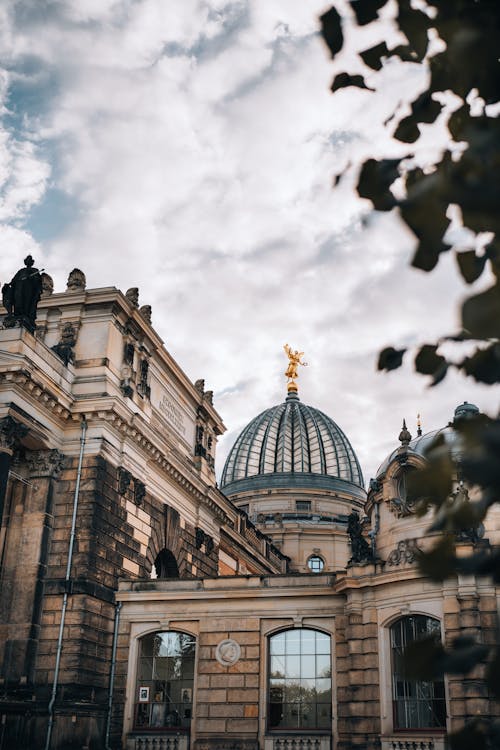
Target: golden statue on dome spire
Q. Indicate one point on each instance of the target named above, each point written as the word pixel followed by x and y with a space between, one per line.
pixel 294 360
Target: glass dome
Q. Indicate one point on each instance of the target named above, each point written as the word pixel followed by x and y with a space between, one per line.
pixel 291 445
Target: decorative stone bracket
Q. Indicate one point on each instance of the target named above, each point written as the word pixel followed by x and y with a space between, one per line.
pixel 125 480
pixel 201 538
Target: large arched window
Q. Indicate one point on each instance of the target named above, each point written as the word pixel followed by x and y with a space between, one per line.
pixel 164 688
pixel 417 704
pixel 300 680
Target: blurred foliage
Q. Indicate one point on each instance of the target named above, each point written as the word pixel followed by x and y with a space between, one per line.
pixel 468 67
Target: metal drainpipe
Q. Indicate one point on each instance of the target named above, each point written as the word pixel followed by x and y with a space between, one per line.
pixel 112 675
pixel 83 432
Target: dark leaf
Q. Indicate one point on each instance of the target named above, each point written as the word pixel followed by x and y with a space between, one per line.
pixel 471 265
pixel 421 659
pixel 493 673
pixel 464 656
pixel 424 210
pixel 375 180
pixel 438 563
pixel 426 658
pixel 372 57
pixel 425 108
pixel 342 80
pixel 472 735
pixel 390 358
pixel 428 361
pixel 366 10
pixel 331 29
pixel 481 314
pixel 484 365
pixel 414 24
pixel 407 130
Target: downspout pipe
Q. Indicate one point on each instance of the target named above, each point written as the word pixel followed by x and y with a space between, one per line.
pixel 83 434
pixel 112 675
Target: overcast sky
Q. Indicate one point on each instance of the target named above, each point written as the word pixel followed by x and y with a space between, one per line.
pixel 189 148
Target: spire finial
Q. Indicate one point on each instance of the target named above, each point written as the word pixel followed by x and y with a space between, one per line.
pixel 294 360
pixel 419 426
pixel 404 435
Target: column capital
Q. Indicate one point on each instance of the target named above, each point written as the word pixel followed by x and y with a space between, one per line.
pixel 45 463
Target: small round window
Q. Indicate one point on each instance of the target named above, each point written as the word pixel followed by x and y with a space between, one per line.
pixel 315 564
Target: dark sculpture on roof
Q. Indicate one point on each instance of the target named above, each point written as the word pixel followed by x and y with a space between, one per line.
pixel 20 297
pixel 360 549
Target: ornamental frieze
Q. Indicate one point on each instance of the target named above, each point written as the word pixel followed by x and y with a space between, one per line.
pixel 407 551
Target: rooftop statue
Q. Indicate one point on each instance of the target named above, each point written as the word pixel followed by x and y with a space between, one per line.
pixel 20 297
pixel 294 360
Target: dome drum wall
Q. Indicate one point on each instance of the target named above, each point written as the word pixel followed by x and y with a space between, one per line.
pixel 295 472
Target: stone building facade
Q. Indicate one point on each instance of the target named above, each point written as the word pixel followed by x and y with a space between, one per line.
pixel 143 607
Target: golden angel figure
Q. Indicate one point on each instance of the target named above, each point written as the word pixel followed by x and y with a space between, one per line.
pixel 294 360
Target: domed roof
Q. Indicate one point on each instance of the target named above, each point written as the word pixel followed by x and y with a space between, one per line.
pixel 421 443
pixel 292 445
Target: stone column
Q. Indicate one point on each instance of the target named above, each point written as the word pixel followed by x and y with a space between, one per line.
pixel 27 535
pixel 358 691
pixel 10 433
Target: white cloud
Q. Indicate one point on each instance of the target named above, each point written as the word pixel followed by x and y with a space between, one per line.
pixel 200 140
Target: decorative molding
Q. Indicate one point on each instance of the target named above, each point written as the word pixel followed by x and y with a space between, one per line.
pixel 24 380
pixel 407 551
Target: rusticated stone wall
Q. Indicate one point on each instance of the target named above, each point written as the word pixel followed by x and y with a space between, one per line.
pixel 357 678
pixel 116 537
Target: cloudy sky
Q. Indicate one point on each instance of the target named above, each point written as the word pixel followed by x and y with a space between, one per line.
pixel 189 148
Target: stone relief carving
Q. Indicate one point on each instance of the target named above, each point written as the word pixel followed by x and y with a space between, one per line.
pixel 146 312
pixel 139 492
pixel 201 538
pixel 76 281
pixel 143 387
pixel 47 285
pixel 65 348
pixel 407 551
pixel 45 463
pixel 124 479
pixel 228 652
pixel 11 432
pixel 132 295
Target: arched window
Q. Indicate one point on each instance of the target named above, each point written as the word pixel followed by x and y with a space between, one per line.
pixel 166 565
pixel 300 680
pixel 315 563
pixel 417 704
pixel 164 688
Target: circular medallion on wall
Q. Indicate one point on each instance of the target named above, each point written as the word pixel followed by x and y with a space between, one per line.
pixel 228 652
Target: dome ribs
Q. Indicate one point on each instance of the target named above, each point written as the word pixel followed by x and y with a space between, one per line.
pixel 295 440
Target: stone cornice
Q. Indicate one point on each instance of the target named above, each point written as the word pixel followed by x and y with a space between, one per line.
pixel 24 380
pixel 125 314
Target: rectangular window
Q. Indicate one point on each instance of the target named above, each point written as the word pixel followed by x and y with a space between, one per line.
pixel 303 506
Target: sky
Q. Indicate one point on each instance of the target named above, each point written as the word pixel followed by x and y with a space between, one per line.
pixel 190 148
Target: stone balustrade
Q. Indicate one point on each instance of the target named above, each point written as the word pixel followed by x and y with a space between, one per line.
pixel 157 742
pixel 293 742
